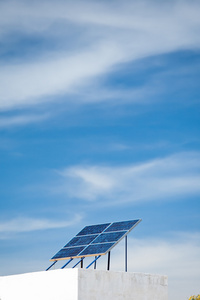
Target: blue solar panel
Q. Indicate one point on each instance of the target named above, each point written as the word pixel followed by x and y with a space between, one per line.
pixel 81 240
pixel 117 226
pixel 97 249
pixel 93 229
pixel 95 239
pixel 109 237
pixel 68 252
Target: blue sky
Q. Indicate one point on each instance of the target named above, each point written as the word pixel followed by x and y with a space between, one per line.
pixel 99 122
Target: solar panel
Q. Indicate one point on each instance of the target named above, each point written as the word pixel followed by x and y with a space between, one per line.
pixel 93 229
pixel 67 252
pixel 109 237
pixel 97 249
pixel 95 240
pixel 81 240
pixel 117 226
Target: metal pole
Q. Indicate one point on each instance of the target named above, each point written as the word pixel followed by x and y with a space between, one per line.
pixel 108 265
pixel 51 265
pixel 82 264
pixel 93 261
pixel 78 262
pixel 126 254
pixel 67 263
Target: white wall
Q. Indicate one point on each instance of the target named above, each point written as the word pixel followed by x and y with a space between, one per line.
pixel 81 284
pixel 108 285
pixel 50 285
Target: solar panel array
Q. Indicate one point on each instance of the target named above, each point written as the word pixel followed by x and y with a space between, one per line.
pixel 95 240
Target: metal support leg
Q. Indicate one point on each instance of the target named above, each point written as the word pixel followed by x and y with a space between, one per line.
pixel 51 265
pixel 78 262
pixel 95 263
pixel 108 265
pixel 67 263
pixel 126 254
pixel 82 264
pixel 96 257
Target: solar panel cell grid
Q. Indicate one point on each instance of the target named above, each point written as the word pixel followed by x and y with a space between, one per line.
pixel 93 229
pixel 68 252
pixel 97 249
pixel 117 226
pixel 81 240
pixel 109 237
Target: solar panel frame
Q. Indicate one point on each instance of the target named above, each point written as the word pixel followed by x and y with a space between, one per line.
pixel 88 232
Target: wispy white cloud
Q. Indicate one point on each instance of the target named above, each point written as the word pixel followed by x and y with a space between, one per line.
pixel 164 178
pixel 19 120
pixel 26 224
pixel 49 77
pixel 137 15
pixel 113 33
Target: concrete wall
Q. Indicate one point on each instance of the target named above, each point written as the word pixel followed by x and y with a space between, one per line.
pixel 81 284
pixel 108 285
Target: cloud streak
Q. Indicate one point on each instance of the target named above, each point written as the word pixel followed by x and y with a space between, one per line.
pixel 26 224
pixel 19 120
pixel 112 34
pixel 167 178
pixel 57 76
